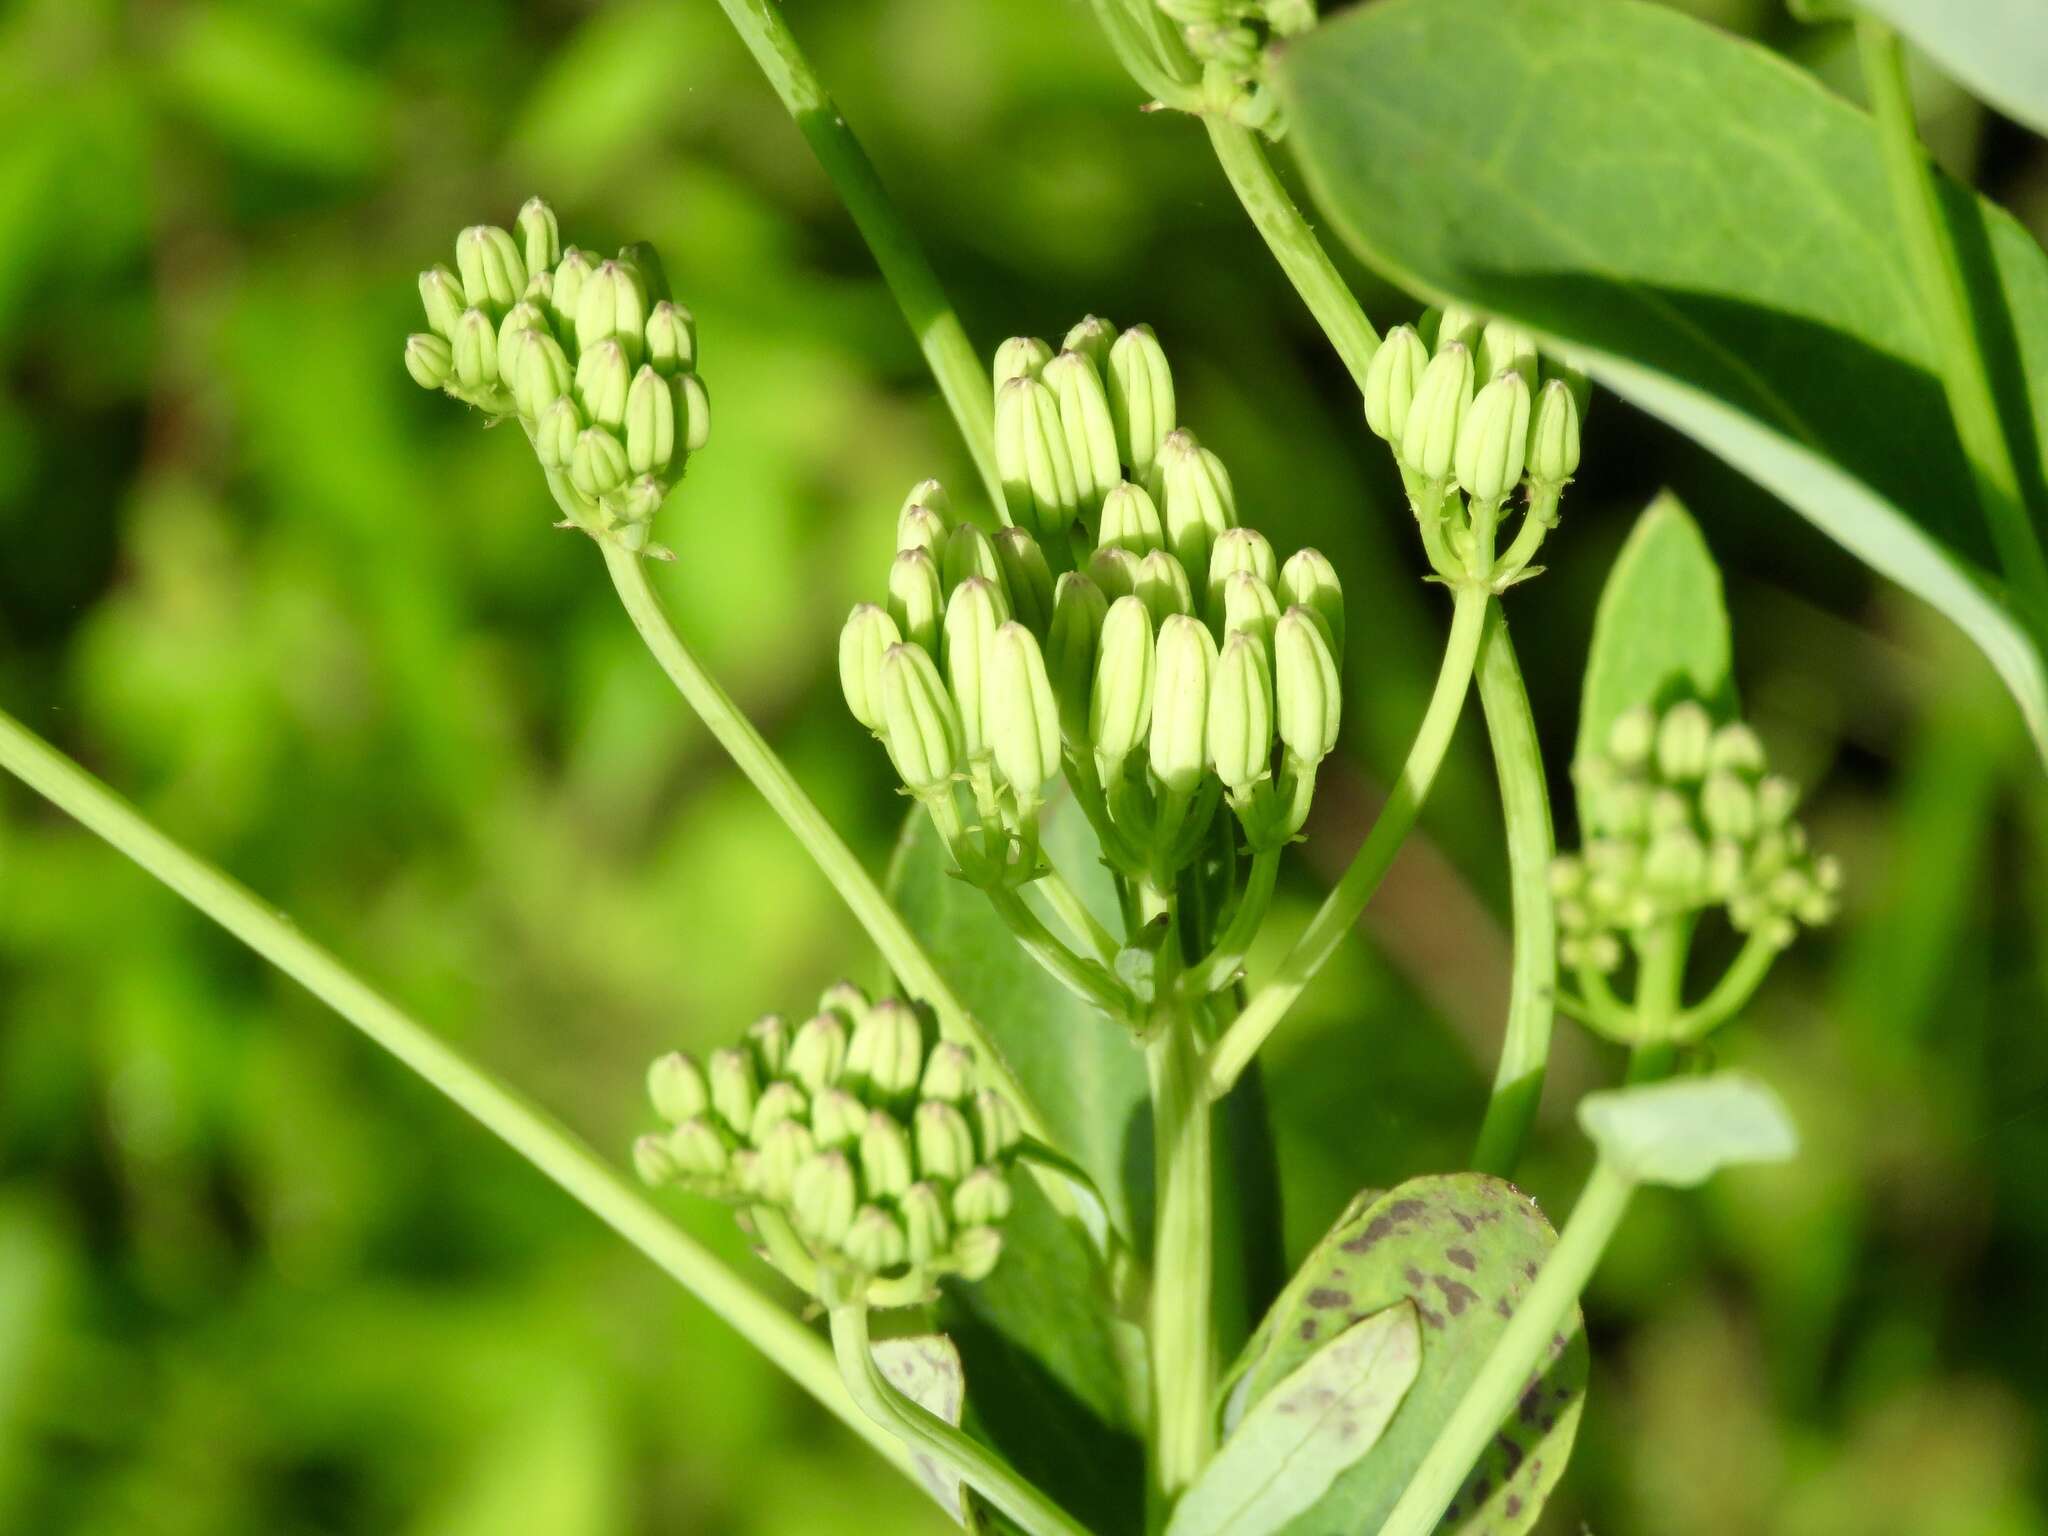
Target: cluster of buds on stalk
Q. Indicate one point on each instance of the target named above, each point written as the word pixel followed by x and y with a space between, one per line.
pixel 592 356
pixel 1125 628
pixel 1229 39
pixel 1474 415
pixel 861 1150
pixel 1680 816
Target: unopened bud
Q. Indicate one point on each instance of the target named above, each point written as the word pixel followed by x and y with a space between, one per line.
pixel 1737 750
pixel 818 1052
pixel 1250 608
pixel 1120 708
pixel 429 360
pixel 1197 503
pixel 823 1197
pixel 734 1087
pixel 885 1156
pixel 1676 863
pixel 996 1125
pixel 973 614
pixel 1130 521
pixel 846 1000
pixel 1238 549
pixel 869 632
pixel 555 434
pixel 1033 459
pixel 920 726
pixel 921 528
pixel 887 1051
pixel 781 1100
pixel 1161 584
pixel 1492 439
pixel 1308 580
pixel 837 1118
pixel 693 412
pixel 1632 737
pixel 1180 705
pixel 597 466
pixel 1085 420
pixel 1307 696
pixel 1554 436
pixel 1115 571
pixel 1683 737
pixel 442 298
pixel 917 599
pixel 671 333
pixel 1021 357
pixel 1024 721
pixel 1505 347
pixel 603 380
pixel 927 1229
pixel 1141 404
pixel 1027 579
pixel 675 1084
pixel 699 1150
pixel 975 1252
pixel 1777 798
pixel 969 552
pixel 1091 336
pixel 475 350
pixel 538 370
pixel 1391 380
pixel 1071 644
pixel 653 1161
pixel 565 293
pixel 930 495
pixel 1430 438
pixel 541 235
pixel 771 1172
pixel 493 274
pixel 875 1242
pixel 650 423
pixel 1240 727
pixel 945 1146
pixel 982 1198
pixel 948 1073
pixel 1456 323
pixel 613 305
pixel 1728 805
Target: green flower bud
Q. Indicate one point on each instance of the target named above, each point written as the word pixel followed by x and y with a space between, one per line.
pixel 1308 580
pixel 671 333
pixel 1676 863
pixel 818 1053
pixel 603 380
pixel 475 351
pixel 1089 429
pixel 1027 579
pixel 875 1242
pixel 1240 726
pixel 921 528
pixel 920 726
pixel 1024 720
pixel 429 360
pixel 869 632
pixel 1737 750
pixel 930 495
pixel 997 1127
pixel 539 370
pixel 1777 798
pixel 650 423
pixel 653 1161
pixel 969 552
pixel 1238 549
pixel 887 1051
pixel 1250 608
pixel 540 234
pixel 1683 737
pixel 699 1150
pixel 734 1087
pixel 519 319
pixel 1141 404
pixel 848 1001
pixel 613 305
pixel 948 1073
pixel 1429 440
pixel 1092 337
pixel 1180 704
pixel 493 275
pixel 1632 737
pixel 823 1197
pixel 1033 459
pixel 555 434
pixel 975 1252
pixel 780 1100
pixel 1161 584
pixel 1669 809
pixel 1728 805
pixel 973 614
pixel 1021 357
pixel 1492 439
pixel 676 1085
pixel 1554 436
pixel 927 1230
pixel 1196 500
pixel 1120 708
pixel 771 1174
pixel 1391 381
pixel 885 1158
pixel 1574 380
pixel 1072 641
pixel 1130 521
pixel 597 465
pixel 693 412
pixel 917 601
pixel 1114 572
pixel 982 1198
pixel 837 1118
pixel 565 293
pixel 945 1146
pixel 1456 323
pixel 442 298
pixel 1307 697
pixel 1504 347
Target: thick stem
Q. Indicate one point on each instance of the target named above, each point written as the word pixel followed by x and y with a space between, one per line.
pixel 1525 810
pixel 1340 909
pixel 961 376
pixel 1735 988
pixel 1086 980
pixel 522 1125
pixel 1074 912
pixel 1182 1326
pixel 1523 1351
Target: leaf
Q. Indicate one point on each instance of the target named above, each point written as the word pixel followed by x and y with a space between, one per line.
pixel 1305 1431
pixel 1682 1133
pixel 925 1368
pixel 1710 232
pixel 1998 48
pixel 1463 1249
pixel 1661 633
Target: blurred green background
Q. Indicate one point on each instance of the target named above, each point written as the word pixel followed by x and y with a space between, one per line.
pixel 255 1278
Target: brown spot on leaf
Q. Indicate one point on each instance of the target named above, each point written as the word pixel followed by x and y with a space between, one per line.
pixel 1323 1298
pixel 1434 1319
pixel 1531 1405
pixel 1462 1257
pixel 1457 1294
pixel 1503 1308
pixel 1510 1450
pixel 1308 1327
pixel 1514 1506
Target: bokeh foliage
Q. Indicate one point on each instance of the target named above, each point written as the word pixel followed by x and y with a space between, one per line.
pixel 253 1278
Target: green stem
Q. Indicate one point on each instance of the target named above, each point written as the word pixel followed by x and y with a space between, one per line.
pixel 522 1125
pixel 1073 911
pixel 1340 909
pixel 1525 810
pixel 925 1434
pixel 1182 1328
pixel 1660 977
pixel 1735 988
pixel 1945 299
pixel 1086 980
pixel 1523 1350
pixel 961 376
pixel 1215 970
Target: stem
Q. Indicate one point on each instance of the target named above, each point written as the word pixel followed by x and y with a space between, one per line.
pixel 1340 909
pixel 926 1434
pixel 1523 1348
pixel 1087 981
pixel 1735 988
pixel 1660 978
pixel 522 1125
pixel 1073 911
pixel 1214 971
pixel 1525 810
pixel 1945 299
pixel 1182 1329
pixel 962 378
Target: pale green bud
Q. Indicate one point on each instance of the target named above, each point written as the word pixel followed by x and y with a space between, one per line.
pixel 1669 809
pixel 650 423
pixel 519 319
pixel 969 552
pixel 1180 705
pixel 1240 727
pixel 1574 380
pixel 846 1000
pixel 1308 580
pixel 613 305
pixel 823 1197
pixel 1024 719
pixel 442 298
pixel 603 379
pixel 1307 696
pixel 540 372
pixel 997 1126
pixel 1092 337
pixel 887 1052
pixel 1120 708
pixel 1197 503
pixel 982 1198
pixel 671 334
pixel 1728 805
pixel 1033 459
pixel 644 259
pixel 1737 750
pixel 837 1118
pixel 652 1159
pixel 917 600
pixel 1238 549
pixel 693 412
pixel 1114 571
pixel 565 293
pixel 1456 323
pixel 975 1252
pixel 945 1146
pixel 475 351
pixel 930 495
pixel 1632 737
pixel 1676 863
pixel 920 726
pixel 555 434
pixel 429 359
pixel 771 1173
pixel 1683 737
pixel 597 466
pixel 1391 380
pixel 921 528
pixel 875 1242
pixel 818 1053
pixel 1161 584
pixel 1021 357
pixel 1130 521
pixel 493 274
pixel 1492 439
pixel 1505 347
pixel 1250 608
pixel 1430 438
pixel 1554 436
pixel 699 1150
pixel 1071 644
pixel 869 632
pixel 1086 422
pixel 676 1085
pixel 1141 404
pixel 973 614
pixel 1777 798
pixel 734 1087
pixel 948 1073
pixel 885 1157
pixel 927 1230
pixel 1027 579
pixel 540 234
pixel 779 1101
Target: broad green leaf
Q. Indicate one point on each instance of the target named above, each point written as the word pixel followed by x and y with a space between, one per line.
pixel 1463 1249
pixel 1997 48
pixel 925 1367
pixel 1306 1430
pixel 1710 232
pixel 1682 1133
pixel 1661 632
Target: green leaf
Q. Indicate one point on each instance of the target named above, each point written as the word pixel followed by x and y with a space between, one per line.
pixel 1682 1133
pixel 1711 233
pixel 925 1367
pixel 1463 1249
pixel 1997 48
pixel 1661 632
pixel 1307 1430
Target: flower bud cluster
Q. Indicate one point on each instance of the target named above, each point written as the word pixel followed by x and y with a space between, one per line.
pixel 1229 38
pixel 592 357
pixel 1680 816
pixel 858 1145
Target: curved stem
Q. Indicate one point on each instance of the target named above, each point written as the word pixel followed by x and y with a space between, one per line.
pixel 962 377
pixel 1073 911
pixel 1215 970
pixel 1087 981
pixel 1340 909
pixel 1735 988
pixel 1525 810
pixel 926 1434
pixel 522 1125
